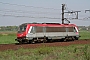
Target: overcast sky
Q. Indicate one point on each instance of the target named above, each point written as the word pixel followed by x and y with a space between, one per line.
pixel 16 12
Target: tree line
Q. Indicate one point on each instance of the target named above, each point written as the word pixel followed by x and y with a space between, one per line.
pixel 8 28
pixel 15 28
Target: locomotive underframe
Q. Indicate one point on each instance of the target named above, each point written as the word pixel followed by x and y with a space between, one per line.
pixel 44 37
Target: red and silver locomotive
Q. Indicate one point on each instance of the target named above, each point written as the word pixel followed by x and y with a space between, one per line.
pixel 43 32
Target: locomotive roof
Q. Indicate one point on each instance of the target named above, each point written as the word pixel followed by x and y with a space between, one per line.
pixel 46 23
pixel 41 23
pixel 50 24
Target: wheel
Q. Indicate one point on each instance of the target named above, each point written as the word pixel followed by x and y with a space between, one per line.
pixel 44 41
pixel 65 40
pixel 76 38
pixel 20 42
pixel 32 42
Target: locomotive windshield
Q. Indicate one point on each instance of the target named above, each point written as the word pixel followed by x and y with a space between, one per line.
pixel 22 28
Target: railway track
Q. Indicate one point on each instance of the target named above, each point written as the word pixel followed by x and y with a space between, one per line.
pixel 53 44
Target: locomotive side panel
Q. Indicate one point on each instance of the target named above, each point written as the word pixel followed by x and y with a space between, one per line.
pixel 52 32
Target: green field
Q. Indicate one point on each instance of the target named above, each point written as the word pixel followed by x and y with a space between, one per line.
pixel 9 37
pixel 85 34
pixel 73 52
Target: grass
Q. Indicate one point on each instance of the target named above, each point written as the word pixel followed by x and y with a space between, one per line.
pixel 73 52
pixel 7 38
pixel 85 34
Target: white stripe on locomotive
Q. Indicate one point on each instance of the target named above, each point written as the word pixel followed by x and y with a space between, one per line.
pixel 30 29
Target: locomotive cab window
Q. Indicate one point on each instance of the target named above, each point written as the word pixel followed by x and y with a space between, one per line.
pixel 22 28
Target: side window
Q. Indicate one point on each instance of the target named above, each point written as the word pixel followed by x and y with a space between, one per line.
pixel 66 29
pixel 62 29
pixel 39 29
pixel 44 29
pixel 34 29
pixel 55 29
pixel 70 29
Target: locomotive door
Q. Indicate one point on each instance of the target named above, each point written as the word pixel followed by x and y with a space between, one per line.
pixel 66 31
pixel 34 31
pixel 44 31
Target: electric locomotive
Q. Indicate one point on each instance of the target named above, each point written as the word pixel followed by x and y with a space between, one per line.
pixel 44 32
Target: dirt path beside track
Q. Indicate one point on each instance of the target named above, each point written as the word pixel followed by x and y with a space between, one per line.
pixel 16 46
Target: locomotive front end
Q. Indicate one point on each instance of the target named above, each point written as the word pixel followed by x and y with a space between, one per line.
pixel 21 34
